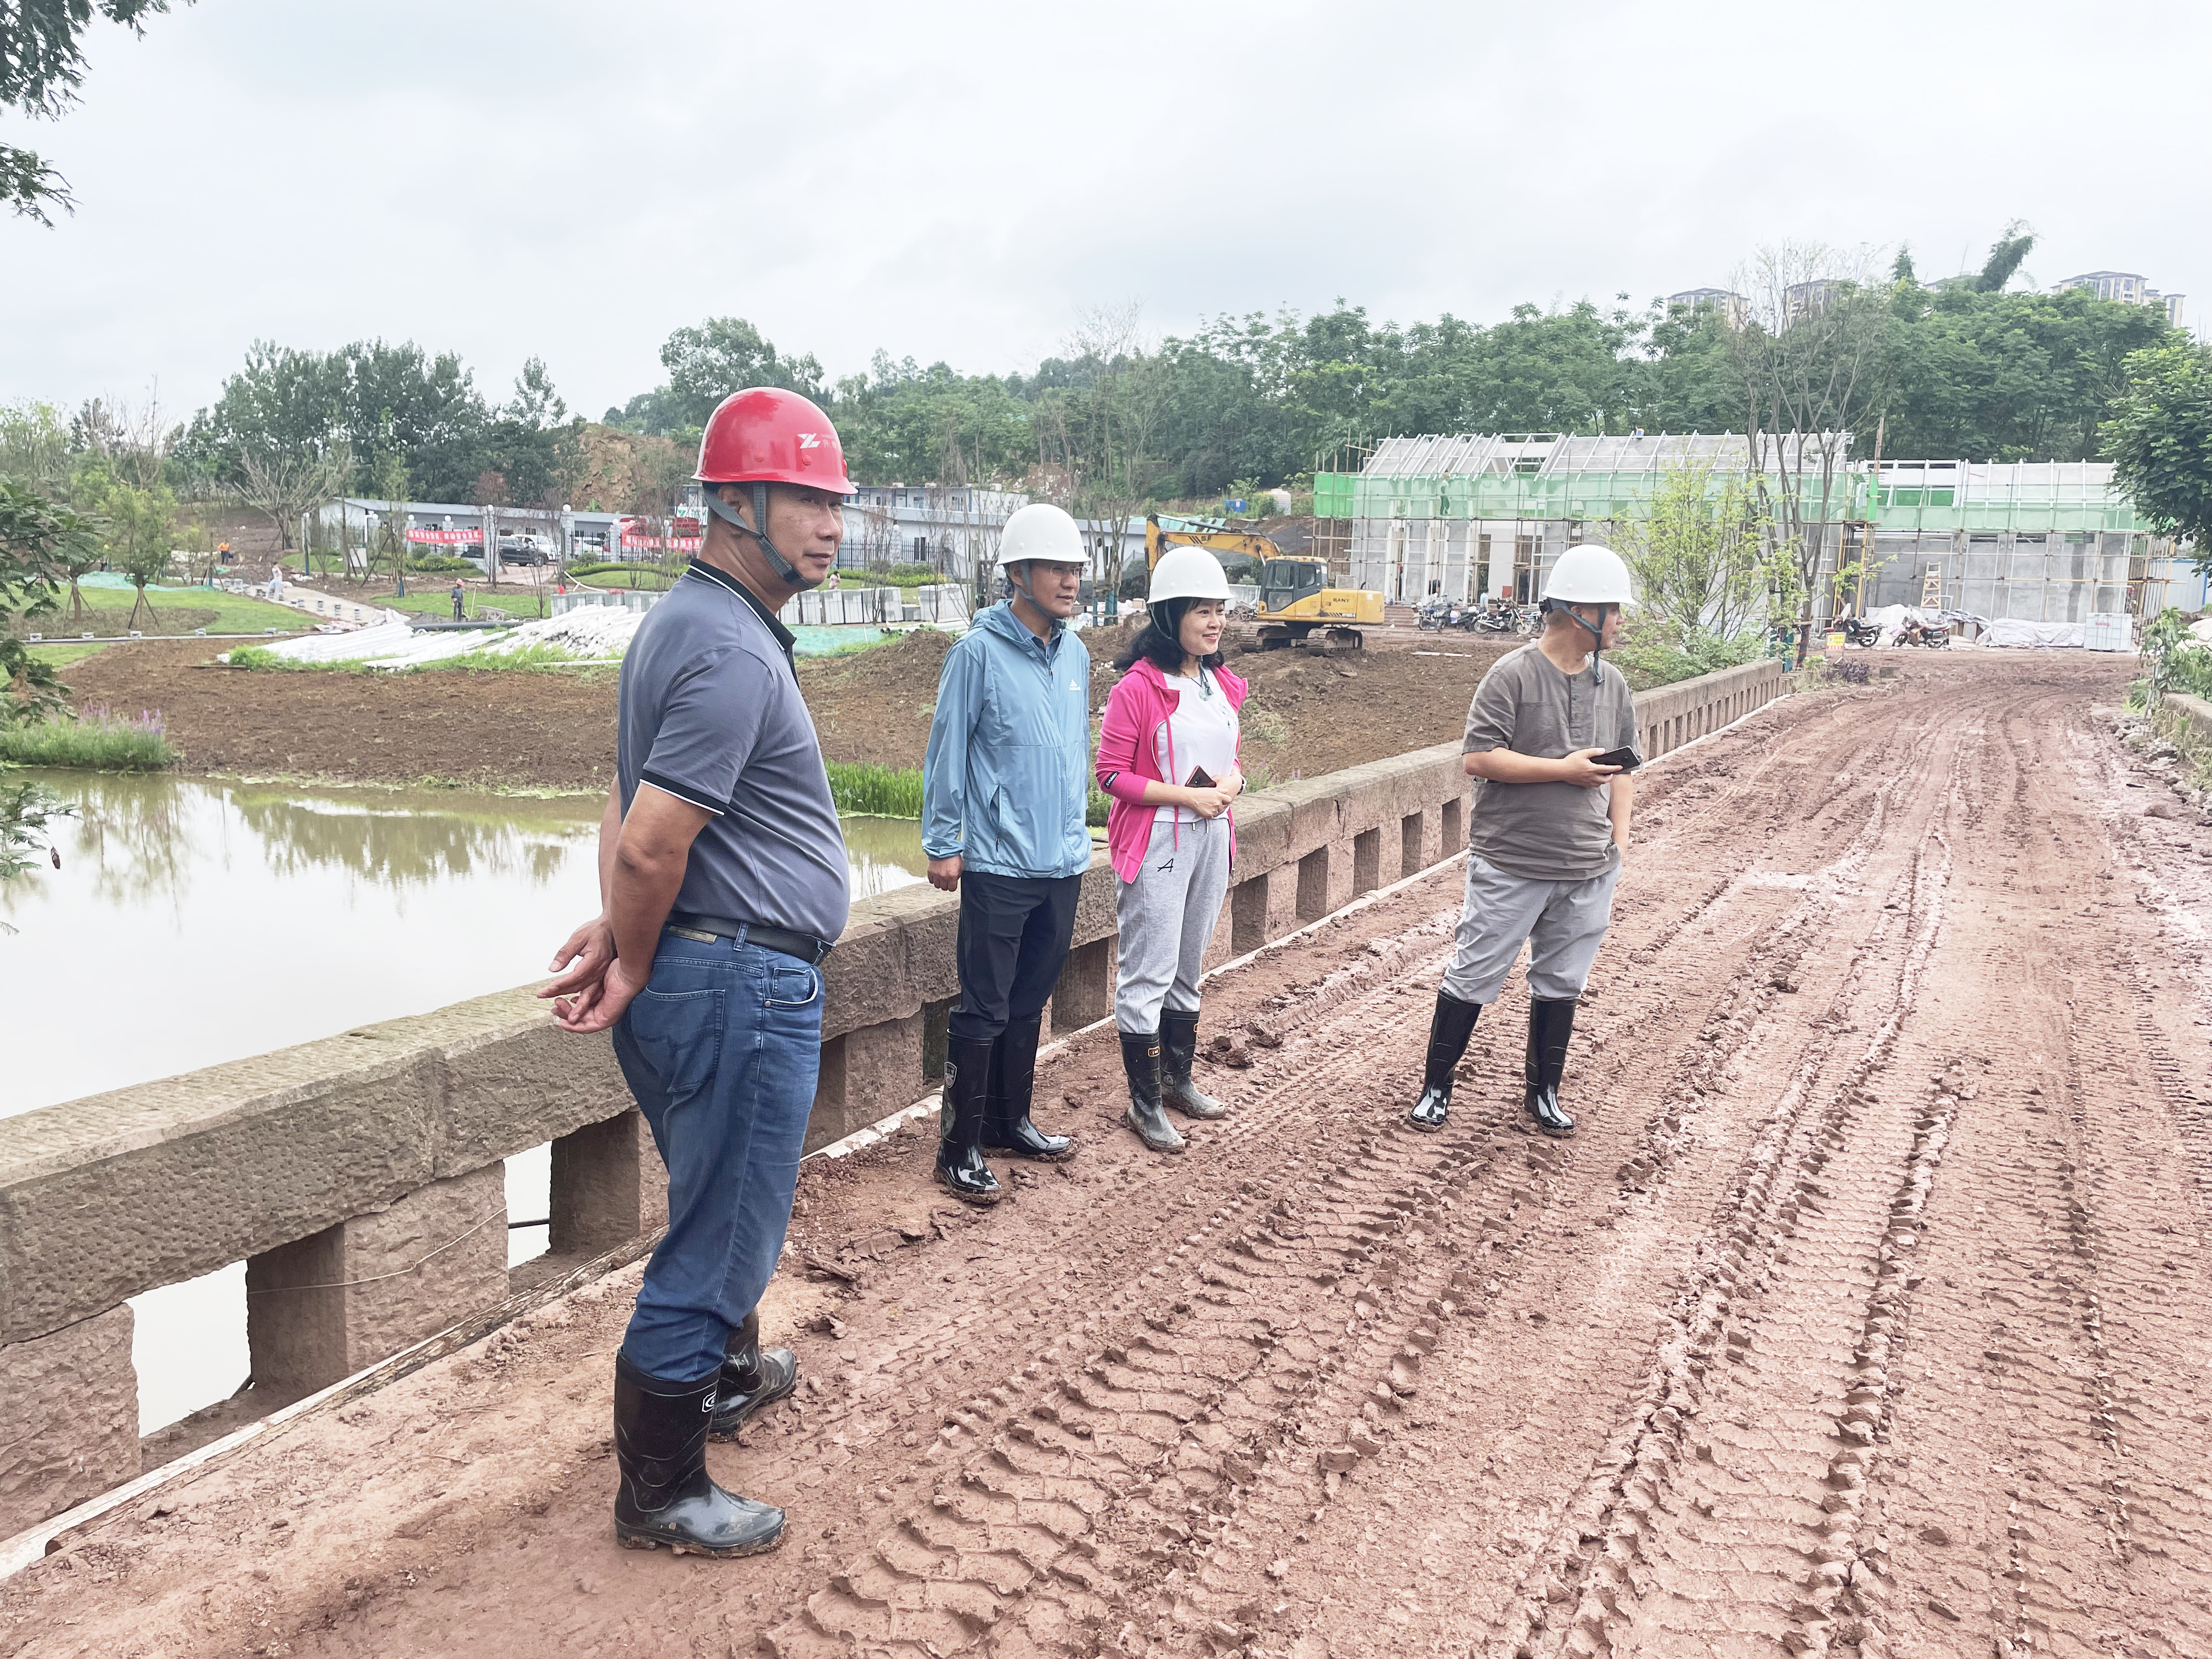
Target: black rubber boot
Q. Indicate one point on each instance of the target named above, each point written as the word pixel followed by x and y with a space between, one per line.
pixel 1140 1059
pixel 1449 1028
pixel 1178 1048
pixel 960 1163
pixel 1550 1025
pixel 753 1378
pixel 1006 1126
pixel 666 1499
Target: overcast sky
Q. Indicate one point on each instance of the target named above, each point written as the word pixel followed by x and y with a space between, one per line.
pixel 959 181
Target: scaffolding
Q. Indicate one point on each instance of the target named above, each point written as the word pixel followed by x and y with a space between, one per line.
pixel 1474 514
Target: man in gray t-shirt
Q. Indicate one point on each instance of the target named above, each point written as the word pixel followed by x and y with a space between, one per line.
pixel 722 873
pixel 1548 829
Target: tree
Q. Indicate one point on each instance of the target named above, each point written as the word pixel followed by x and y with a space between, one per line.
pixel 34 445
pixel 720 355
pixel 41 67
pixel 1809 358
pixel 1710 573
pixel 37 535
pixel 282 484
pixel 2159 439
pixel 2011 248
pixel 141 536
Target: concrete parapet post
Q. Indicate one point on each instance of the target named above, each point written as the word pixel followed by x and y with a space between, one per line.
pixel 883 1069
pixel 69 1418
pixel 1367 861
pixel 608 1186
pixel 1085 990
pixel 1248 914
pixel 325 1306
pixel 1412 844
pixel 1313 886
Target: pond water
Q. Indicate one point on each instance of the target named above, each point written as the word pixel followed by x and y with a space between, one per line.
pixel 195 921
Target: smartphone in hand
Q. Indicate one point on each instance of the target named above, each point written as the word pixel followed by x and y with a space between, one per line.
pixel 1625 758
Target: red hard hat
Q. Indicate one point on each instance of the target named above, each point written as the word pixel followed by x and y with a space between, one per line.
pixel 767 436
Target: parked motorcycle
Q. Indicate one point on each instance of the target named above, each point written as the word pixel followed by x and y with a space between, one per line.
pixel 1496 621
pixel 1935 636
pixel 1859 632
pixel 1431 617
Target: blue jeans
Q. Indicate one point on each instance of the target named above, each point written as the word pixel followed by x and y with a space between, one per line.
pixel 721 1049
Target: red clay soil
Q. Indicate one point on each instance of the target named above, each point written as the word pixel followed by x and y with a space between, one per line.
pixel 1865 1313
pixel 556 730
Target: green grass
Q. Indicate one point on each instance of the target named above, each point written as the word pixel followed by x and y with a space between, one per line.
pixel 643 578
pixel 883 792
pixel 895 792
pixel 179 611
pixel 261 658
pixel 97 741
pixel 58 655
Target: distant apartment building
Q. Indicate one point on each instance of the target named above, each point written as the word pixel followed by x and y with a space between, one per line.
pixel 1732 306
pixel 2127 287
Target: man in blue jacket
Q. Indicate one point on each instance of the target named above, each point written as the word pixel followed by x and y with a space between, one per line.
pixel 1003 789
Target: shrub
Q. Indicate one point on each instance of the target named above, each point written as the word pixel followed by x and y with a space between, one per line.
pixel 439 564
pixel 98 740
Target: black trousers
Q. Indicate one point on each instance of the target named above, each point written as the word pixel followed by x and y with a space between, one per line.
pixel 1014 932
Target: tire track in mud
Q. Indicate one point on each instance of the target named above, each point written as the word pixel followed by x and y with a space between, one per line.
pixel 874 1609
pixel 1883 1112
pixel 2049 1492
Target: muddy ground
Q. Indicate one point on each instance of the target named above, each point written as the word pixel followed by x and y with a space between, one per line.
pixel 1868 1312
pixel 555 730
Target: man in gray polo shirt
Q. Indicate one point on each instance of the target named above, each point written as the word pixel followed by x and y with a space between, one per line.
pixel 1547 833
pixel 723 875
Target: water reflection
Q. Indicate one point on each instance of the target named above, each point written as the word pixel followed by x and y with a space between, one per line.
pixel 194 923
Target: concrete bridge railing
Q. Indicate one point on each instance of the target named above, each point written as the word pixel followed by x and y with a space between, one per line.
pixel 361 1178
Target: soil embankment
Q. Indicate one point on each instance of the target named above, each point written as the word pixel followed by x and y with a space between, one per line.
pixel 1865 1313
pixel 555 730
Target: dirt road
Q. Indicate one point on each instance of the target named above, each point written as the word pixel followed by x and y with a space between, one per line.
pixel 1868 1311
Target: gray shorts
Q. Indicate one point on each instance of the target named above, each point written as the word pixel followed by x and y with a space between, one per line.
pixel 1564 922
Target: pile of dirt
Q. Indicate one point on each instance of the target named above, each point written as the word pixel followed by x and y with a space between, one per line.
pixel 514 730
pixel 875 706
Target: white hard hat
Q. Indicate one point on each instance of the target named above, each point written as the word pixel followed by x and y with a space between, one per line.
pixel 1188 572
pixel 1041 531
pixel 1589 575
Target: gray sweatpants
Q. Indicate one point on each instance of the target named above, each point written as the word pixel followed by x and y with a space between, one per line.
pixel 1166 917
pixel 1562 921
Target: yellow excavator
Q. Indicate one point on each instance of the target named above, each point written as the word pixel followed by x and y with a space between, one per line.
pixel 1296 600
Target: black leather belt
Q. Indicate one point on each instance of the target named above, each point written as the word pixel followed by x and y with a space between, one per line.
pixel 807 948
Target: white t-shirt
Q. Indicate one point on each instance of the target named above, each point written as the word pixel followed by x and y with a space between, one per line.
pixel 1204 730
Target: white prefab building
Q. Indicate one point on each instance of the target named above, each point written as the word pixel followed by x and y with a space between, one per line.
pixel 953 528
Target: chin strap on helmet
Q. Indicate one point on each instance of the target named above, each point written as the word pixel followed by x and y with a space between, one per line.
pixel 729 515
pixel 1596 633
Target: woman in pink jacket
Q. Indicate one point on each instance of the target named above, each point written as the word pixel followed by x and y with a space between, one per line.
pixel 1167 754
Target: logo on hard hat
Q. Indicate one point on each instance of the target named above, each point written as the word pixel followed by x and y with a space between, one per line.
pixel 810 440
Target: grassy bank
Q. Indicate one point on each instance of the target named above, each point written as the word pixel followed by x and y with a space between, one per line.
pixel 893 791
pixel 176 611
pixel 97 741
